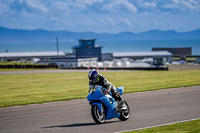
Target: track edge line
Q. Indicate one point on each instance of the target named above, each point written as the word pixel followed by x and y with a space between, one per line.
pixel 157 125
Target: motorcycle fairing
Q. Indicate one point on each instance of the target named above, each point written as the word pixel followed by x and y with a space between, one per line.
pixel 97 98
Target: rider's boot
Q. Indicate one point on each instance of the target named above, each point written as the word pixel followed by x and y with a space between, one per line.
pixel 122 105
pixel 118 98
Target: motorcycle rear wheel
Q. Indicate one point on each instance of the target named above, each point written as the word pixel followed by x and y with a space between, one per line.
pixel 98 117
pixel 124 115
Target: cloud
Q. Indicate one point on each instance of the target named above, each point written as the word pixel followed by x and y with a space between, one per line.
pixel 155 22
pixel 35 4
pixel 183 5
pixel 149 4
pixel 102 21
pixel 110 21
pixel 76 6
pixel 61 6
pixel 27 5
pixel 100 15
pixel 105 21
pixel 117 6
pixel 3 8
pixel 126 22
pixel 89 2
pixel 55 19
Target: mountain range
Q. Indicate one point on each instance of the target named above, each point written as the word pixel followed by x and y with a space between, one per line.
pixel 8 35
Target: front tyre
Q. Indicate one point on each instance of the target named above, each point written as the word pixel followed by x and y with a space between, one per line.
pixel 124 114
pixel 98 117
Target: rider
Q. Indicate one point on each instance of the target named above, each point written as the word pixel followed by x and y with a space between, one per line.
pixel 97 79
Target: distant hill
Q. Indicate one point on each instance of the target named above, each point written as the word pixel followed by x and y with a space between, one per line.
pixel 17 35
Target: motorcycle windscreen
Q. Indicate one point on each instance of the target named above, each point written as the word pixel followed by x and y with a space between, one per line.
pixel 120 90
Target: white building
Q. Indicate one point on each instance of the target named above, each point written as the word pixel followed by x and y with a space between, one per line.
pixel 61 59
pixel 66 62
pixel 158 57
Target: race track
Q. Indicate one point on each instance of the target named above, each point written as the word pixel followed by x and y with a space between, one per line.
pixel 147 109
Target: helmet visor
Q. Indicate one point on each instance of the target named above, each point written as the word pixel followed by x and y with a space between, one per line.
pixel 94 79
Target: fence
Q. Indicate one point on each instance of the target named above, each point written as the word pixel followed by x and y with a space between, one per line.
pixel 128 68
pixel 28 66
pixel 41 66
pixel 183 67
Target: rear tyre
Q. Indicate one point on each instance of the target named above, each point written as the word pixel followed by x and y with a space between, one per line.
pixel 124 114
pixel 98 117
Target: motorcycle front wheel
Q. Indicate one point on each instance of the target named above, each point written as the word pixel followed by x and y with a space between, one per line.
pixel 124 114
pixel 98 117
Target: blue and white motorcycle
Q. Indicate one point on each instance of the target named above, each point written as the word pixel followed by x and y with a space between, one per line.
pixel 104 107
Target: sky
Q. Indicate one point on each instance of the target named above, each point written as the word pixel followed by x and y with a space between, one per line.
pixel 101 16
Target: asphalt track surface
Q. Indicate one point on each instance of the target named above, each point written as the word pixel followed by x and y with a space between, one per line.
pixel 147 109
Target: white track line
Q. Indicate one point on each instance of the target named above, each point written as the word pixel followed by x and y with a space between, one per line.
pixel 158 125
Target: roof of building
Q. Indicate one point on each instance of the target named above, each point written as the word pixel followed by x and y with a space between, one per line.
pixel 172 48
pixel 87 39
pixel 140 54
pixel 78 46
pixel 31 54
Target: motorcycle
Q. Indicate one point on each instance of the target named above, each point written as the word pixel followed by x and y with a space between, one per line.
pixel 104 107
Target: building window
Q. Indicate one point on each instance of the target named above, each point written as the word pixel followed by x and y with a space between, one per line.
pixel 88 46
pixel 80 43
pixel 90 53
pixel 62 65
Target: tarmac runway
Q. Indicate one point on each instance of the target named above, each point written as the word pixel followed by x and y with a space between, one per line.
pixel 147 109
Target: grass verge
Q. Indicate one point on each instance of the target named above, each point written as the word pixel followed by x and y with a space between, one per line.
pixel 184 127
pixel 20 89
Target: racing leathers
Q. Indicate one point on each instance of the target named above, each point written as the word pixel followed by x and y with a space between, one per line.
pixel 107 87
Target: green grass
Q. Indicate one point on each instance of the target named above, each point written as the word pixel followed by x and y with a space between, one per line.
pixel 16 63
pixel 185 127
pixel 191 59
pixel 38 88
pixel 187 58
pixel 176 58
